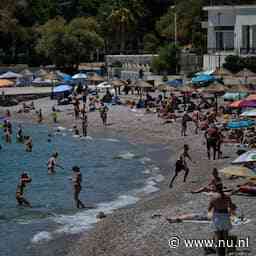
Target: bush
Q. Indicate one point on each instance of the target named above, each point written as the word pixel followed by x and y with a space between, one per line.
pixel 167 60
pixel 234 63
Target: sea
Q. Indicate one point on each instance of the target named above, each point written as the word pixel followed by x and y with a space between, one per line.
pixel 115 174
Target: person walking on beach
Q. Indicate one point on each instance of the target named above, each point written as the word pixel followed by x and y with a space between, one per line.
pixel 52 163
pixel 103 114
pixel 40 116
pixel 181 165
pixel 84 122
pixel 221 207
pixel 77 179
pixel 76 108
pixel 24 180
pixel 185 119
pixel 54 115
pixel 211 136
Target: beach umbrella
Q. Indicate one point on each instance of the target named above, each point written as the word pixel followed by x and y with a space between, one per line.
pixel 238 88
pixel 142 84
pixel 64 76
pixel 175 82
pixel 251 97
pixel 235 104
pixel 207 72
pixel 203 79
pixel 222 72
pixel 26 72
pixel 62 88
pixel 51 76
pixel 79 76
pixel 240 124
pixel 216 89
pixel 249 113
pixel 10 75
pixel 96 78
pixel 6 83
pixel 39 81
pixel 238 171
pixel 118 83
pixel 245 73
pixel 234 95
pixel 104 85
pixel 186 89
pixel 249 156
pixel 41 73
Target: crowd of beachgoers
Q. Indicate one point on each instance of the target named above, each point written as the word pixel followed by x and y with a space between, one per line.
pixel 210 176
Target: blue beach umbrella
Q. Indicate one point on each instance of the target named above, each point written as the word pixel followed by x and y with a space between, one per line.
pixel 62 88
pixel 240 124
pixel 175 82
pixel 203 79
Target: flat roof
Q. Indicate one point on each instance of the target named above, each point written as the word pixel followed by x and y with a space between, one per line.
pixel 228 7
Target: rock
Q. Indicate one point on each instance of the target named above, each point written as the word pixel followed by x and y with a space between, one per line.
pixel 101 215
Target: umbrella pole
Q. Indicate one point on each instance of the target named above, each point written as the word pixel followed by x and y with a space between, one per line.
pixel 216 103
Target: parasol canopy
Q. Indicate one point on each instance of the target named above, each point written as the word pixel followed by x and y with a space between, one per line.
pixel 6 83
pixel 96 78
pixel 238 88
pixel 234 95
pixel 249 113
pixel 26 72
pixel 202 79
pixel 245 73
pixel 10 75
pixel 243 104
pixel 118 83
pixel 214 88
pixel 141 84
pixel 240 124
pixel 249 156
pixel 62 88
pixel 239 171
pixel 79 76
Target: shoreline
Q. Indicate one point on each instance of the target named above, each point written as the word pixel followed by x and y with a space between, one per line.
pixel 132 230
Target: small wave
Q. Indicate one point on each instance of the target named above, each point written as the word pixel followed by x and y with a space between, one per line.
pixel 60 128
pixel 145 160
pixel 111 140
pixel 42 237
pixel 147 171
pixel 73 224
pixel 125 156
pixel 150 187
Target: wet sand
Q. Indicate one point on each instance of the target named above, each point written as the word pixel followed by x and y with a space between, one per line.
pixel 132 231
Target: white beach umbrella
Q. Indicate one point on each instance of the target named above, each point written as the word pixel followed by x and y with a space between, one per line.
pixel 79 76
pixel 249 113
pixel 104 85
pixel 10 75
pixel 249 156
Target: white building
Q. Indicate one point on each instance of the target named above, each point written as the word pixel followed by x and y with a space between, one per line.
pixel 231 31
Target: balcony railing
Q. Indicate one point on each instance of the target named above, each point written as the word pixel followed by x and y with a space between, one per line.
pixel 247 50
pixel 218 50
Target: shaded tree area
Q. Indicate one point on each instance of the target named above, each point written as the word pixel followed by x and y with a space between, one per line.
pixel 123 26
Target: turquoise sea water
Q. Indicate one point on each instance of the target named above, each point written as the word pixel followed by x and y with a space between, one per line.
pixel 114 174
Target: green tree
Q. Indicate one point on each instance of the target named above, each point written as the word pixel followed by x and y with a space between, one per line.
pixel 234 63
pixel 67 44
pixel 121 20
pixel 167 60
pixel 150 43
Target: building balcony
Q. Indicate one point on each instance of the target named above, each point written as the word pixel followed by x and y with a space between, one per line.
pixel 248 51
pixel 217 51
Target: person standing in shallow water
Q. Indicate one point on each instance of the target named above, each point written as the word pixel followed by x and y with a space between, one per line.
pixel 52 163
pixel 77 179
pixel 40 116
pixel 24 180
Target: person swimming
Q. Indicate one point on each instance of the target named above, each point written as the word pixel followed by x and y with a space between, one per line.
pixel 23 181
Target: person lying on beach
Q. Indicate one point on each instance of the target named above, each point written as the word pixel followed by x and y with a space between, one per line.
pixel 52 163
pixel 77 179
pixel 211 186
pixel 24 180
pixel 29 144
pixel 181 165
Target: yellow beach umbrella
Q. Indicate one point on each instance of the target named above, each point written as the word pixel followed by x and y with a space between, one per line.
pixel 239 171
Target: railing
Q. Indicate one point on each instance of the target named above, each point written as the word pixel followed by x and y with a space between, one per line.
pixel 219 50
pixel 247 50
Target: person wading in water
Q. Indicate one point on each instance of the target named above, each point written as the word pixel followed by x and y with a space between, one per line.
pixel 24 180
pixel 77 179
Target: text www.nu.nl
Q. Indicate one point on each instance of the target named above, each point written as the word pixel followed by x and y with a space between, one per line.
pixel 175 242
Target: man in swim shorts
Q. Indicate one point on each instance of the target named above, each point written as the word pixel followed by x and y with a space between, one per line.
pixel 77 179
